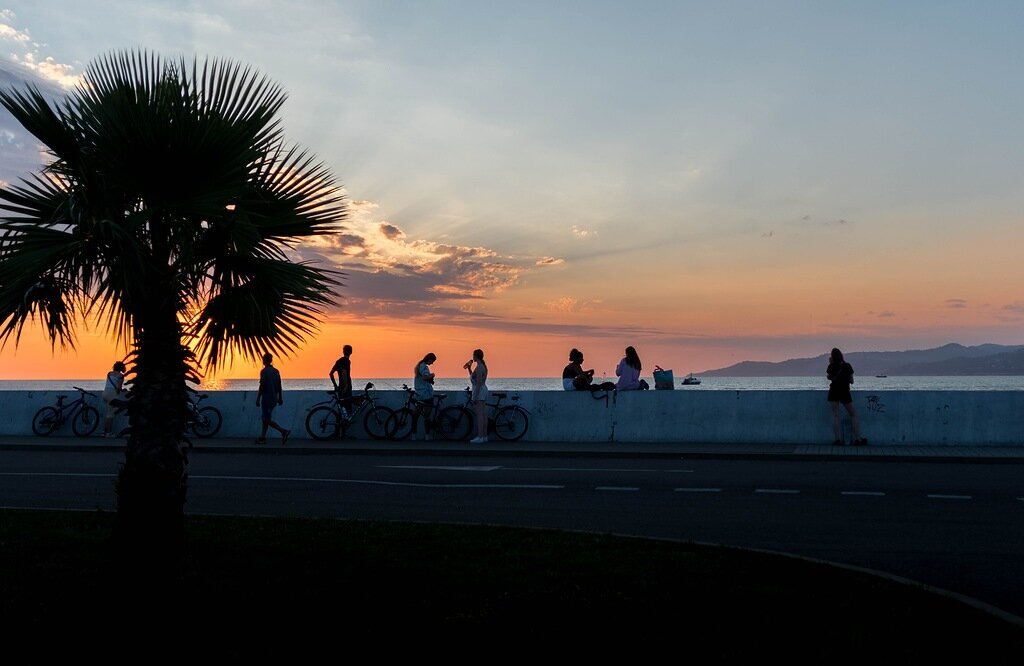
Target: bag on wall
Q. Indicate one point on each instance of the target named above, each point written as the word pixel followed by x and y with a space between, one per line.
pixel 663 380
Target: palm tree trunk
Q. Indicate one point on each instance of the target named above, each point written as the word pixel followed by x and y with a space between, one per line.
pixel 151 485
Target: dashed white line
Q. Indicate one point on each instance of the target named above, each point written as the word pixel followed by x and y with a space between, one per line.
pixel 464 468
pixel 596 469
pixel 959 497
pixel 620 488
pixel 776 491
pixel 370 482
pixel 698 490
pixel 864 493
pixel 54 474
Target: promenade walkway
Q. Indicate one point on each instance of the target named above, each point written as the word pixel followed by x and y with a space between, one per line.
pixel 988 454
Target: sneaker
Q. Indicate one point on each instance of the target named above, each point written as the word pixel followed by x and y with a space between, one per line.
pixel 863 441
pixel 284 437
pixel 478 440
pixel 260 441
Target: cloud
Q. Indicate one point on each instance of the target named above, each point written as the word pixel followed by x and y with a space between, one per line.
pixel 1014 307
pixel 11 34
pixel 580 232
pixel 30 59
pixel 390 231
pixel 955 303
pixel 387 269
pixel 569 304
pixel 884 314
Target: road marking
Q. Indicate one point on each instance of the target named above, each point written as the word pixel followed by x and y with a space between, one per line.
pixel 865 493
pixel 698 490
pixel 596 469
pixel 776 491
pixel 370 482
pixel 961 497
pixel 623 488
pixel 464 468
pixel 54 474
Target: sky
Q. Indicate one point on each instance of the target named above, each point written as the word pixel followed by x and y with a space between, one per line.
pixel 708 182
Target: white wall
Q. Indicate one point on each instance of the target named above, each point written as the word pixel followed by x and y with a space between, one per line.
pixel 784 417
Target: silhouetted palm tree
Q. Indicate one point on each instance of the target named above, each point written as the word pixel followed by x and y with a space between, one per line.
pixel 166 214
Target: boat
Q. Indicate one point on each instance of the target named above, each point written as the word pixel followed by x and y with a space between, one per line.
pixel 690 380
pixel 881 376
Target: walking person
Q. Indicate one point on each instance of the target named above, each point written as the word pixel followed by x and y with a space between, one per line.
pixel 271 395
pixel 112 391
pixel 840 374
pixel 343 385
pixel 423 385
pixel 478 380
pixel 628 371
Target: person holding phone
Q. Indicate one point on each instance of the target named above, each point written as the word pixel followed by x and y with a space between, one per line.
pixel 477 369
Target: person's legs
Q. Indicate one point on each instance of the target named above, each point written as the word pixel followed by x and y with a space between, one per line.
pixel 854 421
pixel 836 429
pixel 480 409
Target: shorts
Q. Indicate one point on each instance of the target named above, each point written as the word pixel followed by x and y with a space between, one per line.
pixel 840 394
pixel 267 407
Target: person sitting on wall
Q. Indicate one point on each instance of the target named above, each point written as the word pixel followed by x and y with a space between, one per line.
pixel 628 372
pixel 575 378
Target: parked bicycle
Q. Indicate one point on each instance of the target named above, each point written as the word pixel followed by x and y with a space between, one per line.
pixel 83 416
pixel 203 421
pixel 328 419
pixel 449 422
pixel 509 422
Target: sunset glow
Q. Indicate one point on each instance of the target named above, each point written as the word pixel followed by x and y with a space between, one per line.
pixel 709 185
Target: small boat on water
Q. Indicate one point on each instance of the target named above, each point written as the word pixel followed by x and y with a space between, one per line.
pixel 881 376
pixel 690 380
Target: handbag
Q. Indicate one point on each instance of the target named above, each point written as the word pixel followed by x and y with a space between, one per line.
pixel 663 380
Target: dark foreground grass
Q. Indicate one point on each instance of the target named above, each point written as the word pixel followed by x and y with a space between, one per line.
pixel 248 586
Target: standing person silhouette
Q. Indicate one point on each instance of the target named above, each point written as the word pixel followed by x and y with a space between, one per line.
pixel 343 385
pixel 840 373
pixel 112 391
pixel 478 380
pixel 423 383
pixel 271 395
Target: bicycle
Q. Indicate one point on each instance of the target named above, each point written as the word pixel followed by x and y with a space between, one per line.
pixel 84 417
pixel 449 422
pixel 328 419
pixel 509 423
pixel 203 421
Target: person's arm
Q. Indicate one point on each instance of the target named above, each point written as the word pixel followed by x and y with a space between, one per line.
pixel 619 368
pixel 330 375
pixel 280 391
pixel 259 391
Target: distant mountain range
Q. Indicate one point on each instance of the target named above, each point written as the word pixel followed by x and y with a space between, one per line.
pixel 948 360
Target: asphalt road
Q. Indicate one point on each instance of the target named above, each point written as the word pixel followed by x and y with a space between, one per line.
pixel 953 525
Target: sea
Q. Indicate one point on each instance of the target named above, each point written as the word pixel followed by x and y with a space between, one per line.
pixel 979 383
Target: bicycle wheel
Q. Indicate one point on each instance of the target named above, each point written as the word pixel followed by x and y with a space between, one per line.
pixel 45 421
pixel 323 422
pixel 510 423
pixel 376 421
pixel 85 421
pixel 455 423
pixel 400 424
pixel 207 422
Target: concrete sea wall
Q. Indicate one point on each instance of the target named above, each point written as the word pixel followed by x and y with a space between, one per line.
pixel 974 418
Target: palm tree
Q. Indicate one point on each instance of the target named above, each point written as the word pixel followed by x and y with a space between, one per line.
pixel 168 214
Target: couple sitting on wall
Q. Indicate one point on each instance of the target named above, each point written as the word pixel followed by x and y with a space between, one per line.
pixel 575 378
